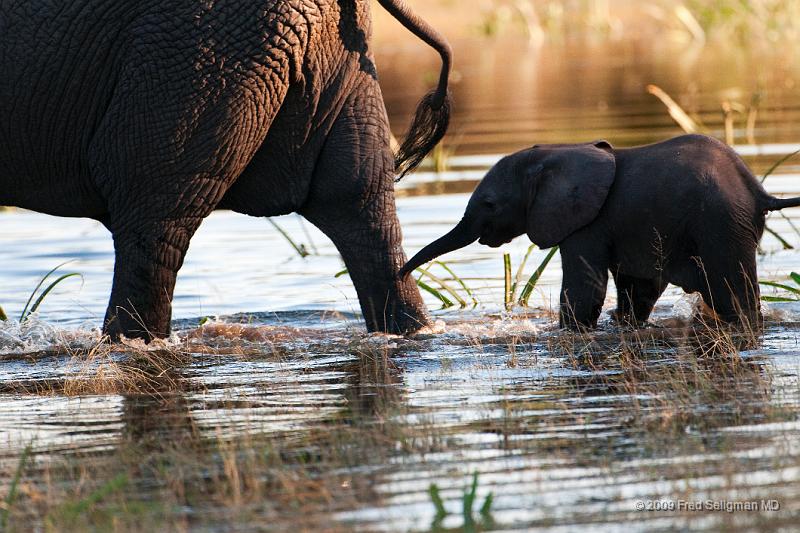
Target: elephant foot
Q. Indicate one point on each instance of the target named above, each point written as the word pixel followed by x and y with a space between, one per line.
pixel 404 314
pixel 126 321
pixel 625 320
pixel 407 322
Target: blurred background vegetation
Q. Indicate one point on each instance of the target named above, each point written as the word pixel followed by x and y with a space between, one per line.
pixel 751 22
pixel 631 71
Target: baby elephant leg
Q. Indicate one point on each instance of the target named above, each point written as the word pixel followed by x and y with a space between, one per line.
pixel 636 298
pixel 583 290
pixel 730 288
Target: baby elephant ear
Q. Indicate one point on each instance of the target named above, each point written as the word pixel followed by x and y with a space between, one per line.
pixel 569 190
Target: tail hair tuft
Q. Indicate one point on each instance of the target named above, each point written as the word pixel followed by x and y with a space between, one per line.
pixel 428 128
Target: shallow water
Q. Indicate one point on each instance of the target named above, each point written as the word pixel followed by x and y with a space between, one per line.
pixel 564 433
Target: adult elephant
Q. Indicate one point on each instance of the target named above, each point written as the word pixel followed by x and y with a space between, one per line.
pixel 148 115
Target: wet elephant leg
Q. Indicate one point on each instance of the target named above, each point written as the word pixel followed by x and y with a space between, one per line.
pixel 352 202
pixel 730 287
pixel 163 158
pixel 147 261
pixel 636 298
pixel 585 280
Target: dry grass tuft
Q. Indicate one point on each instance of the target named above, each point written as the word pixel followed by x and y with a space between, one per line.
pixel 106 369
pixel 672 375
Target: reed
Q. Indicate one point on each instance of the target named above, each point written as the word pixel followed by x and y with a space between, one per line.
pixel 299 248
pixel 34 301
pixel 458 280
pixel 443 284
pixel 468 499
pixel 687 123
pixel 508 294
pixel 446 302
pixel 530 285
pixel 30 309
pixel 792 291
pixel 444 290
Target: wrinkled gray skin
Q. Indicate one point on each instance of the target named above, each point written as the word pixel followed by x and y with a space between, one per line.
pixel 685 211
pixel 147 115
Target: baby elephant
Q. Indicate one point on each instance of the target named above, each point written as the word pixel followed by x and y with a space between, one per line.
pixel 685 211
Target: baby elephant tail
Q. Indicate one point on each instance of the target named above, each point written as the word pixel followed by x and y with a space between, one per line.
pixel 774 204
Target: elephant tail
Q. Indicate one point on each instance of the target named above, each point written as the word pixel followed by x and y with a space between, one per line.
pixel 774 204
pixel 433 112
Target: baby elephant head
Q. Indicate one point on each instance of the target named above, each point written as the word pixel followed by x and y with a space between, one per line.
pixel 548 192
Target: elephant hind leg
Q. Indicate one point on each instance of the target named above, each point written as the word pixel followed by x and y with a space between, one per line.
pixel 730 287
pixel 636 298
pixel 351 200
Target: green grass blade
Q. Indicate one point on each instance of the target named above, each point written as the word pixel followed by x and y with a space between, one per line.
pixel 299 248
pixel 534 279
pixel 36 289
pixel 508 296
pixel 781 299
pixel 780 161
pixel 459 281
pixel 446 302
pixel 3 315
pixel 486 510
pixel 469 503
pixel 796 278
pixel 442 298
pixel 784 243
pixel 11 497
pixel 303 226
pixel 116 484
pixel 782 286
pixel 443 284
pixel 45 292
pixel 438 503
pixel 521 271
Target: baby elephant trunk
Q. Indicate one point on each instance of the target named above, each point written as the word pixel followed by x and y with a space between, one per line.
pixel 460 236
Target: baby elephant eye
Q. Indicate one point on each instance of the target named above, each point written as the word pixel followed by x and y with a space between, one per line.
pixel 489 204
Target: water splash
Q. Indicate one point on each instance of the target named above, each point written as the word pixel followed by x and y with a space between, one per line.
pixel 36 335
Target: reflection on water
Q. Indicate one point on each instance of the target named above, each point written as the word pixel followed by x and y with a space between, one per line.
pixel 561 430
pixel 510 95
pixel 286 413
